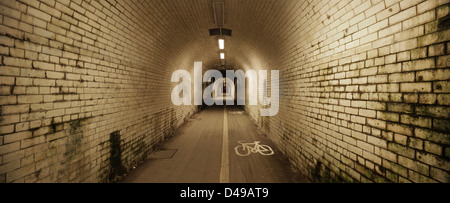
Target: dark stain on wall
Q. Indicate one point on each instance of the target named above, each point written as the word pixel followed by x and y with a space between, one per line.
pixel 75 135
pixel 115 160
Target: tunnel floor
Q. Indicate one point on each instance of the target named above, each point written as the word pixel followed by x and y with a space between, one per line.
pixel 194 154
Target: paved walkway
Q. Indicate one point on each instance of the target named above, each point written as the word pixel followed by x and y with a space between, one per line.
pixel 195 155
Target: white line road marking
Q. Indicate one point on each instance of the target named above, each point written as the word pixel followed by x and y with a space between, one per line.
pixel 225 167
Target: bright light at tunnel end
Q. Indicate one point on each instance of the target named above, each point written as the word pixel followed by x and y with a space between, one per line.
pixel 257 88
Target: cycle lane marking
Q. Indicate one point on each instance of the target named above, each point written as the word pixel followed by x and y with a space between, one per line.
pixel 225 166
pixel 265 150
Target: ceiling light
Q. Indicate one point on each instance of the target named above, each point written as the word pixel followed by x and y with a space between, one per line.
pixel 221 44
pixel 222 56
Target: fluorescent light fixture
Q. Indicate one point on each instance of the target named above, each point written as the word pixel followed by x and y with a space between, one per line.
pixel 221 44
pixel 222 56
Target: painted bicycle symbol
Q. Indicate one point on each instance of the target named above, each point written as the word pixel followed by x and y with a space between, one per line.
pixel 245 149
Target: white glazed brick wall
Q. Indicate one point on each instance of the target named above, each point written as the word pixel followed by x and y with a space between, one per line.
pixel 73 72
pixel 365 91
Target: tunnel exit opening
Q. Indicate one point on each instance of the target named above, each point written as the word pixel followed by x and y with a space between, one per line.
pixel 224 91
pixel 206 95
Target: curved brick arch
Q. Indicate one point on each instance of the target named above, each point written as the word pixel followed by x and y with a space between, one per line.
pixel 365 83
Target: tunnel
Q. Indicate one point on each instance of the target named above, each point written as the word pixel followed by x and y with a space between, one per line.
pixel 323 91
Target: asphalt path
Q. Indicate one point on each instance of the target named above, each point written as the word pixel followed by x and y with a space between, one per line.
pixel 195 153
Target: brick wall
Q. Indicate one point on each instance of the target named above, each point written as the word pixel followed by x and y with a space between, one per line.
pixel 364 90
pixel 79 78
pixel 364 95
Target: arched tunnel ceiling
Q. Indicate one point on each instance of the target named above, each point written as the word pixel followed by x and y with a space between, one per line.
pixel 255 24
